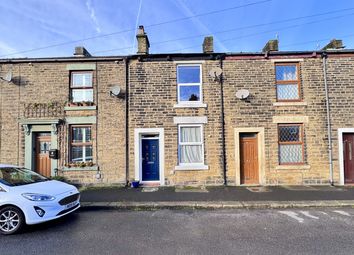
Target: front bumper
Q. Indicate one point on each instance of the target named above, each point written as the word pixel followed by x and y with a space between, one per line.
pixel 53 210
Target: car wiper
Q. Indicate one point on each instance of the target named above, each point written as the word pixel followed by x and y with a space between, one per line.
pixel 42 180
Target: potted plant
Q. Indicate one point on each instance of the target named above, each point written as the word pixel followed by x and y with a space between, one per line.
pixel 87 103
pixel 135 184
pixel 72 104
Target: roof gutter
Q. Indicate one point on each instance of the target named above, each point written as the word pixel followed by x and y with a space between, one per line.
pixel 70 59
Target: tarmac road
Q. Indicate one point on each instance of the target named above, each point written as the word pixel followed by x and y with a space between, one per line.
pixel 280 231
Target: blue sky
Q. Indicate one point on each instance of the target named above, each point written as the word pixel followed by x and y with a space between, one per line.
pixel 32 24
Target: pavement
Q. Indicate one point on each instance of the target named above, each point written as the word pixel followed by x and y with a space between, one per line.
pixel 222 197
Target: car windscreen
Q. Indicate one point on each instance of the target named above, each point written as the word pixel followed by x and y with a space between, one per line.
pixel 16 176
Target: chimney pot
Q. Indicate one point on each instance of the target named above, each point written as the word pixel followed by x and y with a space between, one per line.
pixel 80 51
pixel 143 41
pixel 208 44
pixel 272 45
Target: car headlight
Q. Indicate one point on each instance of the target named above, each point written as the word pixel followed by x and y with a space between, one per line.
pixel 38 197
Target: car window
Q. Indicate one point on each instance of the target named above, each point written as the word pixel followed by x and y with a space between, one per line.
pixel 13 176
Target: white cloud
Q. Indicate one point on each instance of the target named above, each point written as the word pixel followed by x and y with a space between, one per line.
pixel 93 15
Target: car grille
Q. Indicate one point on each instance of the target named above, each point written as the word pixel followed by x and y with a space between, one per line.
pixel 69 199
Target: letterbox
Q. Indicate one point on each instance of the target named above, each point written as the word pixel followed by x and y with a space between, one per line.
pixel 53 154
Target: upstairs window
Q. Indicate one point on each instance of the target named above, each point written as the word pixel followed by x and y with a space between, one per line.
pixel 190 145
pixel 287 81
pixel 81 144
pixel 81 88
pixel 291 144
pixel 189 84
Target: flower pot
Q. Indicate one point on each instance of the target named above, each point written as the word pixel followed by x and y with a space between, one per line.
pixel 135 184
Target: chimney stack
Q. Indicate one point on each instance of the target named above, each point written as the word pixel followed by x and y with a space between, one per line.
pixel 208 44
pixel 272 45
pixel 334 45
pixel 80 51
pixel 143 41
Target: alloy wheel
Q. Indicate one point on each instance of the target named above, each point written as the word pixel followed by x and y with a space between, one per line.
pixel 9 221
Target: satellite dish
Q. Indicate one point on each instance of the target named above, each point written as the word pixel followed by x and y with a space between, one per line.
pixel 8 76
pixel 242 93
pixel 115 91
pixel 215 72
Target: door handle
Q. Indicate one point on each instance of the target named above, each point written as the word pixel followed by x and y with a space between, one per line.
pixel 151 162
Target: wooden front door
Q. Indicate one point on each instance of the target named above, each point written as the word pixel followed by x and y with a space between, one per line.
pixel 348 150
pixel 43 142
pixel 249 158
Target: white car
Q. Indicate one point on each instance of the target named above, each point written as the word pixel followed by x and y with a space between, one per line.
pixel 29 198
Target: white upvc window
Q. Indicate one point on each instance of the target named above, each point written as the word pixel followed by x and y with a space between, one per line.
pixel 189 84
pixel 190 145
pixel 81 86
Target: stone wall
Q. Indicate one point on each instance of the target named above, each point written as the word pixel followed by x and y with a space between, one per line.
pixel 47 82
pixel 152 100
pixel 340 78
pixel 153 94
pixel 258 76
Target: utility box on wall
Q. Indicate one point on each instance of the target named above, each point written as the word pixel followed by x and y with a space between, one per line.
pixel 53 154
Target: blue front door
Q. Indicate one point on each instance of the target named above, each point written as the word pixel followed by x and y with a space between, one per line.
pixel 150 160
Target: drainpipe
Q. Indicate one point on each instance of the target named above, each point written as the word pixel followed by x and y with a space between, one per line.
pixel 126 62
pixel 324 62
pixel 223 121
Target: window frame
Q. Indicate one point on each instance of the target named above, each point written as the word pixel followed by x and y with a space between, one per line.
pixel 191 143
pixel 72 87
pixel 200 84
pixel 288 82
pixel 72 144
pixel 301 142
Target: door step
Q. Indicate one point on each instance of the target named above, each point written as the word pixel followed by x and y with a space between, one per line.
pixel 259 189
pixel 149 189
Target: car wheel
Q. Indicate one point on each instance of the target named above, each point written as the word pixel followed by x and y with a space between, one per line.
pixel 11 220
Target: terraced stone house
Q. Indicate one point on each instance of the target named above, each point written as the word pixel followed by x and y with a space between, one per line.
pixel 262 118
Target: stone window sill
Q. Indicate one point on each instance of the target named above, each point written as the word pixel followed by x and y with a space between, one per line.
pixel 290 104
pixel 80 108
pixel 86 168
pixel 192 167
pixel 199 105
pixel 293 167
